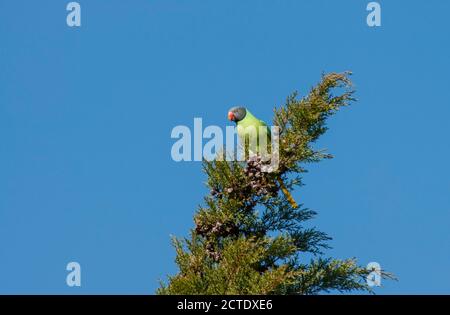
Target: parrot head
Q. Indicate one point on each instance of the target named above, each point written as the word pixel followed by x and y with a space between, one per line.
pixel 237 113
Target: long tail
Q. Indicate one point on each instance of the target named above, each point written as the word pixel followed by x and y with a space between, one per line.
pixel 287 194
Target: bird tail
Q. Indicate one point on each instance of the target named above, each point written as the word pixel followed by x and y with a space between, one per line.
pixel 287 194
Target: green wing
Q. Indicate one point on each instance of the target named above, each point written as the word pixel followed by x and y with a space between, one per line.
pixel 244 129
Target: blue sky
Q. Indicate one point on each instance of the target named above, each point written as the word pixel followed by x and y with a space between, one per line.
pixel 86 115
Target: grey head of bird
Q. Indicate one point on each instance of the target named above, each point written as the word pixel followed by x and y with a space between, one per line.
pixel 237 113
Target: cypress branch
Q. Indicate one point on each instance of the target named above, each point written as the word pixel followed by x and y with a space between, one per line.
pixel 248 237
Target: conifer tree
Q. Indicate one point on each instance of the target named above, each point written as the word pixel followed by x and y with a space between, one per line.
pixel 248 238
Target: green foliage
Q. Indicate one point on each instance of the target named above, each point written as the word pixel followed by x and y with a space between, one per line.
pixel 248 239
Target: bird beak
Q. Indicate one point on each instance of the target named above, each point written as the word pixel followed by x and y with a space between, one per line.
pixel 230 116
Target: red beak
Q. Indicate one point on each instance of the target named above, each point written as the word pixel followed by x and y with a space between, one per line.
pixel 231 116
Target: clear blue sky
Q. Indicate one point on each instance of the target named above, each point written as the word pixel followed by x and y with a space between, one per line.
pixel 86 115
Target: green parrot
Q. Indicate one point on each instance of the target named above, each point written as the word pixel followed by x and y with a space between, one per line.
pixel 245 121
pixel 246 124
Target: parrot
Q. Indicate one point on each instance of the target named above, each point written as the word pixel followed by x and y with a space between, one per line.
pixel 244 119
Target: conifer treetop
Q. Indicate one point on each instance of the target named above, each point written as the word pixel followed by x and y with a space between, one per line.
pixel 248 239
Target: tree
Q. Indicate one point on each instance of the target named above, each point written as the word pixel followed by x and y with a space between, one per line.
pixel 248 238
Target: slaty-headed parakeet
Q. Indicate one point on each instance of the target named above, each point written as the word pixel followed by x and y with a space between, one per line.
pixel 246 124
